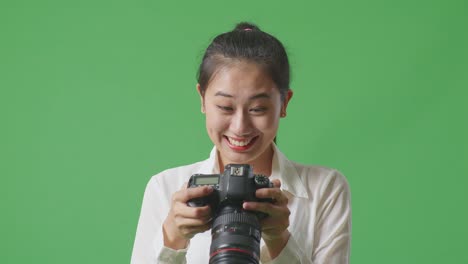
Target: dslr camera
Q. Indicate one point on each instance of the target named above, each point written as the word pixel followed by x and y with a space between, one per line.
pixel 235 232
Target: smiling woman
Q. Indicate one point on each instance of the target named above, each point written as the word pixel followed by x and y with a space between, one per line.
pixel 244 92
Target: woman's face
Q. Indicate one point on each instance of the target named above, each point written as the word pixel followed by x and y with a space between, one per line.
pixel 243 107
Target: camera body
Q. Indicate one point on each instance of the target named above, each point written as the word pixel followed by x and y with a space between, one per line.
pixel 235 232
pixel 235 185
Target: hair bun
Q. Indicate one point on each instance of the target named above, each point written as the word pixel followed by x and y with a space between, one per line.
pixel 245 26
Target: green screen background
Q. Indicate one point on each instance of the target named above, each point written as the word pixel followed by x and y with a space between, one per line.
pixel 98 96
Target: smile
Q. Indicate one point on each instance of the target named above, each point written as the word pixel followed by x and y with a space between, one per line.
pixel 240 144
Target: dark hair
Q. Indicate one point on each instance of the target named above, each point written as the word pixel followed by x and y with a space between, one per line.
pixel 246 42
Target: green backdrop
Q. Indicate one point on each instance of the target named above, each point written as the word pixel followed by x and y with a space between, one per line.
pixel 98 96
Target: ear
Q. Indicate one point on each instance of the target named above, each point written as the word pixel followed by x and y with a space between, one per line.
pixel 285 103
pixel 202 98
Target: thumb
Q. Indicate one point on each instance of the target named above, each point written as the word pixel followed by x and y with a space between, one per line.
pixel 276 183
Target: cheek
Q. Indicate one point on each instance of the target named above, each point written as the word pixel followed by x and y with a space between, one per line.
pixel 267 123
pixel 215 123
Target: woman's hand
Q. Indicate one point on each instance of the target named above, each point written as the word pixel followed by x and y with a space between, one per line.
pixel 183 221
pixel 274 226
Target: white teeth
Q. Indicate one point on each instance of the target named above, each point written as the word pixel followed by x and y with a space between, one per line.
pixel 238 143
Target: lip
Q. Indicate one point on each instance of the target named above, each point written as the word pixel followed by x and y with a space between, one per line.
pixel 240 148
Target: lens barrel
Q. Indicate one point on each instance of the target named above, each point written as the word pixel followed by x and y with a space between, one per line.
pixel 235 237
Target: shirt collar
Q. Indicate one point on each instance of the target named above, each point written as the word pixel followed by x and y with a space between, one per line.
pixel 282 169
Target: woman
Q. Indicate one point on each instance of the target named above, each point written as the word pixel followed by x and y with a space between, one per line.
pixel 243 84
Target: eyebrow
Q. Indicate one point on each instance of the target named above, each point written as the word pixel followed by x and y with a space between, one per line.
pixel 257 96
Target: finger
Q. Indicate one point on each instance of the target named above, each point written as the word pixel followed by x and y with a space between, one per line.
pixel 182 210
pixel 191 193
pixel 268 208
pixel 183 222
pixel 276 183
pixel 274 193
pixel 190 231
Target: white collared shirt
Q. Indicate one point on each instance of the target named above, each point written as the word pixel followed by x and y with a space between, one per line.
pixel 320 220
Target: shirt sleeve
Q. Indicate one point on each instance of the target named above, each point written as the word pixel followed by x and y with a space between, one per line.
pixel 333 221
pixel 165 255
pixel 149 240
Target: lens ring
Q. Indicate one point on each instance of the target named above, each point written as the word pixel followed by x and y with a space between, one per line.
pixel 236 235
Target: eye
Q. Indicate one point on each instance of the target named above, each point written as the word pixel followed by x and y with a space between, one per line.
pixel 225 108
pixel 258 110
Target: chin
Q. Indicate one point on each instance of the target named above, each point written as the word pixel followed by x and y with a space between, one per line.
pixel 239 160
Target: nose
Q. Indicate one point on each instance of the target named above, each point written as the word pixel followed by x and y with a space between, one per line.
pixel 241 124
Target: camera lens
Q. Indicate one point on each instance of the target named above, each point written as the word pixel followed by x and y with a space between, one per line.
pixel 235 237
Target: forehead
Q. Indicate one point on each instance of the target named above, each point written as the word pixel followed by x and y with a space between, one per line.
pixel 242 78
